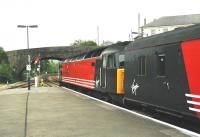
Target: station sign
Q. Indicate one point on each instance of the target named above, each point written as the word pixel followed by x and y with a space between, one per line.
pixel 28 67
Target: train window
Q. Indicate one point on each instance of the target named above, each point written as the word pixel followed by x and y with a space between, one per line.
pixel 141 65
pixel 111 61
pixel 161 65
pixel 121 61
pixel 104 61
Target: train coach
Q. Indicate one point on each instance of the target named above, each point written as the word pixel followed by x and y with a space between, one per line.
pixel 161 71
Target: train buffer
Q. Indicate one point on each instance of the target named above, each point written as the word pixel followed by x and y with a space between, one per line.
pixel 59 112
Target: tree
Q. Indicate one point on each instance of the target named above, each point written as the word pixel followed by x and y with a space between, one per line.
pixel 78 43
pixel 49 66
pixel 54 66
pixel 44 66
pixel 3 56
pixel 5 69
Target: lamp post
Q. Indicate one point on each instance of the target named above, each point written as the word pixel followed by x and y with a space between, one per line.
pixel 28 67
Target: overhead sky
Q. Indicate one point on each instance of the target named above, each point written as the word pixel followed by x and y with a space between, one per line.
pixel 61 22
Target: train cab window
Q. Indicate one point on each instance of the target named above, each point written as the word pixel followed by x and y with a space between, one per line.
pixel 111 61
pixel 104 61
pixel 121 61
pixel 161 64
pixel 141 66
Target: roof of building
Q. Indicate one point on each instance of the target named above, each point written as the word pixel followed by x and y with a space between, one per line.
pixel 175 20
pixel 168 38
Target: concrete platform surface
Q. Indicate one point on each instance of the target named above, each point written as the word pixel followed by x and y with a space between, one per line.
pixel 57 112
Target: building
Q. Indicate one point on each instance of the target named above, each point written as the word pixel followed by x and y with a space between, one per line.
pixel 169 23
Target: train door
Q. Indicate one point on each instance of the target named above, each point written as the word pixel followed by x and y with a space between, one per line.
pixel 111 73
pixel 168 80
pixel 103 71
pixel 108 73
pixel 161 82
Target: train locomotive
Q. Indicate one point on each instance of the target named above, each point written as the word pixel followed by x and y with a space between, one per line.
pixel 161 71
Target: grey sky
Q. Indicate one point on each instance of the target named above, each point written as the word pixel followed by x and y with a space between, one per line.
pixel 63 21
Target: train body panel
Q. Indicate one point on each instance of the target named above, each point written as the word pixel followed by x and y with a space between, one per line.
pixel 191 52
pixel 156 76
pixel 81 73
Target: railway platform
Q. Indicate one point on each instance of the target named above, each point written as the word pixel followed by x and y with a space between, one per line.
pixel 59 112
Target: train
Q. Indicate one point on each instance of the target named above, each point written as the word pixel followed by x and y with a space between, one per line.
pixel 160 72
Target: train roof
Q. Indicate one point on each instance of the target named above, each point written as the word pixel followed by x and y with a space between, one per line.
pixel 115 47
pixel 99 51
pixel 175 36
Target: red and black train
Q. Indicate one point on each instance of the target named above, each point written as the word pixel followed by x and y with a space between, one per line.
pixel 161 71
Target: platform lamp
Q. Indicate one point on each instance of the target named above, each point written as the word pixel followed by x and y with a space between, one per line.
pixel 28 67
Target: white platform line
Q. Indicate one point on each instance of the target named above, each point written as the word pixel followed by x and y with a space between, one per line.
pixel 185 131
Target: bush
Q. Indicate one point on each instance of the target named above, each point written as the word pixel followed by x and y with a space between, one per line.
pixel 5 70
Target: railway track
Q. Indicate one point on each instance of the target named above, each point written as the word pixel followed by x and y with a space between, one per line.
pixel 18 85
pixel 49 81
pixel 25 85
pixel 51 84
